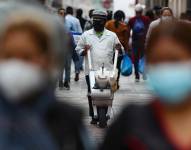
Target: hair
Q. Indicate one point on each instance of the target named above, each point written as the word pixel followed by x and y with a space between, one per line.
pixel 79 12
pixel 119 16
pixel 69 10
pixel 36 31
pixel 42 1
pixel 60 9
pixel 109 15
pixel 180 31
pixel 166 8
pixel 149 13
pixel 91 13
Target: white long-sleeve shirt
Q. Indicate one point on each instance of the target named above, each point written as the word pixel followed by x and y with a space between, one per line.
pixel 102 49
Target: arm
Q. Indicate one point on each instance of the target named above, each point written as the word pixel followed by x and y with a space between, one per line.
pixel 118 45
pixel 82 47
pixel 126 39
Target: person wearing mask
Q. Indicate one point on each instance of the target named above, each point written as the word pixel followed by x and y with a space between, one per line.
pixel 89 23
pixel 166 15
pixel 79 15
pixel 102 44
pixel 121 29
pixel 139 26
pixel 164 123
pixel 30 57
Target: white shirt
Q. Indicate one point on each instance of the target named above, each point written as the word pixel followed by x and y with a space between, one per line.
pixel 102 49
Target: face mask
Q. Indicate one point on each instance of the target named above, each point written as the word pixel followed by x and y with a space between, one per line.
pixel 98 26
pixel 171 82
pixel 166 18
pixel 19 79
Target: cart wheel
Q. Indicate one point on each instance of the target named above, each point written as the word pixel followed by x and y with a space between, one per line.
pixel 102 117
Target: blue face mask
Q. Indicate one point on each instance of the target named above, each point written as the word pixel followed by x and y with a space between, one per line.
pixel 171 82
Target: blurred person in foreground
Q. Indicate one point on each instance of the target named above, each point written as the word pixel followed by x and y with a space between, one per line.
pixel 121 29
pixel 164 123
pixel 102 44
pixel 139 26
pixel 31 117
pixel 89 23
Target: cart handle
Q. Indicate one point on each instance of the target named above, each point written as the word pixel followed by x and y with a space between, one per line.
pixel 115 61
pixel 89 60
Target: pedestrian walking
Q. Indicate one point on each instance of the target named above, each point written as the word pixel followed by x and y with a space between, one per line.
pixel 102 44
pixel 118 26
pixel 166 15
pixel 139 26
pixel 68 60
pixel 73 26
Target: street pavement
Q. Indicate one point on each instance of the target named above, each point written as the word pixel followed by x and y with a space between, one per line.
pixel 129 92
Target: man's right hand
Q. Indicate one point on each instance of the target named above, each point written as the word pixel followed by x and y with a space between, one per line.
pixel 86 49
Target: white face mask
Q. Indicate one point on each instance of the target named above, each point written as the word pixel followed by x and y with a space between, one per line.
pixel 166 18
pixel 19 79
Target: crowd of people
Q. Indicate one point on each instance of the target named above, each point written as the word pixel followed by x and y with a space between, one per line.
pixel 38 46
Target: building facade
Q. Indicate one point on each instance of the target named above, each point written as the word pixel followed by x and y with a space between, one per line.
pixel 178 6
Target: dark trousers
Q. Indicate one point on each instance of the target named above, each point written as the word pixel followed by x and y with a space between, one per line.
pixel 120 58
pixel 66 69
pixel 138 53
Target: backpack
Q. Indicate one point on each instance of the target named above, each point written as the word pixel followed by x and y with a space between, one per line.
pixel 139 27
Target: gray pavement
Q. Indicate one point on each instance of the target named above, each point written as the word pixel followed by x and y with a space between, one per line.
pixel 129 92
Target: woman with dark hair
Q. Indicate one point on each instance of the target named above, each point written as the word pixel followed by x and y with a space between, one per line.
pixel 120 28
pixel 149 13
pixel 164 123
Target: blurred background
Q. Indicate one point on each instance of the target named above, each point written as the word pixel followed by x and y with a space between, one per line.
pixel 178 6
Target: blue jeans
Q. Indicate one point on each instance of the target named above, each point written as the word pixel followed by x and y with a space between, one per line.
pixel 79 64
pixel 67 69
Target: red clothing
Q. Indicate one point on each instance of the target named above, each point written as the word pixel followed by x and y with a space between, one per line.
pixel 146 22
pixel 122 32
pixel 140 127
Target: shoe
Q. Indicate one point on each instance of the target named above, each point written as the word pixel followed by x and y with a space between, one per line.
pixel 81 69
pixel 61 85
pixel 137 80
pixel 66 86
pixel 118 86
pixel 94 121
pixel 103 125
pixel 76 77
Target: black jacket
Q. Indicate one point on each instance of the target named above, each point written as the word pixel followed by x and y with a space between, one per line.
pixel 65 125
